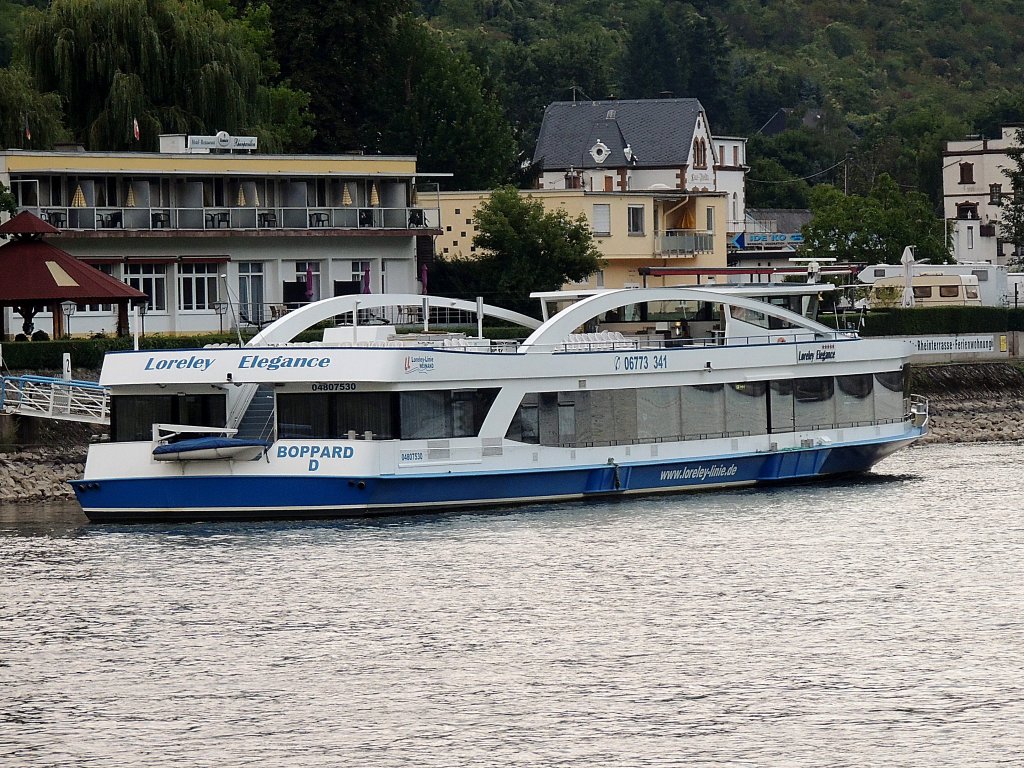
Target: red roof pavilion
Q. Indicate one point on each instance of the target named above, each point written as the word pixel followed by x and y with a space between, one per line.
pixel 35 275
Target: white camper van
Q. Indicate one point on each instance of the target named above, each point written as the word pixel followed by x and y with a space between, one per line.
pixel 930 290
pixel 991 279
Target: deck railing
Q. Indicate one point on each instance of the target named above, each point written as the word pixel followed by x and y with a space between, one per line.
pixel 237 218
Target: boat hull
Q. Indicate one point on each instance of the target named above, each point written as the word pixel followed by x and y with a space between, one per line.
pixel 227 497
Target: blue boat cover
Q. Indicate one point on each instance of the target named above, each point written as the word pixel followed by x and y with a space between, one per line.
pixel 207 443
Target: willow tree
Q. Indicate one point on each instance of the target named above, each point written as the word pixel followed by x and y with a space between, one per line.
pixel 172 65
pixel 28 119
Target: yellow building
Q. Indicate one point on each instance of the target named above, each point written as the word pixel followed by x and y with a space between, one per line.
pixel 631 229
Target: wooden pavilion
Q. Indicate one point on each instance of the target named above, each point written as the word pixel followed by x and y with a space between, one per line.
pixel 36 276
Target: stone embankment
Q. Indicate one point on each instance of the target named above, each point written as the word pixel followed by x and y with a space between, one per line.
pixel 977 402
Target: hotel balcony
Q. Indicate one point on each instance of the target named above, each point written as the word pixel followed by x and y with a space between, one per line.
pixel 683 243
pixel 237 220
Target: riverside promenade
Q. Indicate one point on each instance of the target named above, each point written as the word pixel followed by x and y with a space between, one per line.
pixel 969 402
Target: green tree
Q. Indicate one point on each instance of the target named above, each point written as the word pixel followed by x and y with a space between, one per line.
pixel 7 200
pixel 674 49
pixel 522 248
pixel 432 103
pixel 173 65
pixel 336 50
pixel 1011 220
pixel 874 228
pixel 22 106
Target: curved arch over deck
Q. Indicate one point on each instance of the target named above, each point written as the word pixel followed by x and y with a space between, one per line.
pixel 565 322
pixel 288 327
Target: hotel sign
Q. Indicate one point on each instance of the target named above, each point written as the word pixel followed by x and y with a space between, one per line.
pixel 223 140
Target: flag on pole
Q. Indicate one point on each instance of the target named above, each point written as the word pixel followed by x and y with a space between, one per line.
pixel 28 131
pixel 135 128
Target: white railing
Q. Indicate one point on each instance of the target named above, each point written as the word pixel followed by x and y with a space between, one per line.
pixel 237 217
pixel 50 398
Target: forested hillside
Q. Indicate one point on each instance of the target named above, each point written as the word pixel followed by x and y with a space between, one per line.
pixel 868 87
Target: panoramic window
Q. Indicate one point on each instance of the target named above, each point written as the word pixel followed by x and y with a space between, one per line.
pixel 132 416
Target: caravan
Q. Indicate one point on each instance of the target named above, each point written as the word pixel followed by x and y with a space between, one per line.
pixel 930 290
pixel 988 281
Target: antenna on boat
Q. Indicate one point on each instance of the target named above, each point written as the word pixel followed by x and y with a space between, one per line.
pixel 231 306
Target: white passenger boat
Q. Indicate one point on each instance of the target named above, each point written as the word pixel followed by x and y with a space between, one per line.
pixel 632 391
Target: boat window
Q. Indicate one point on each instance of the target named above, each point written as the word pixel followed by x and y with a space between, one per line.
pixel 889 396
pixel 436 414
pixel 658 414
pixel 855 402
pixel 746 408
pixel 782 406
pixel 814 402
pixel 751 316
pixel 132 416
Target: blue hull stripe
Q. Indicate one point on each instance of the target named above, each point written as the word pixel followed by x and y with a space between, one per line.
pixel 253 496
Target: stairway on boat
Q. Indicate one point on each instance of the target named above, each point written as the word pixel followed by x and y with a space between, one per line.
pixel 258 421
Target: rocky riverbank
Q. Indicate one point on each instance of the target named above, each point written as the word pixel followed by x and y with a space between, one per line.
pixel 968 403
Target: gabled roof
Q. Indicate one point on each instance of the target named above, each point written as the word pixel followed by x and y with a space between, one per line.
pixel 32 271
pixel 659 133
pixel 27 223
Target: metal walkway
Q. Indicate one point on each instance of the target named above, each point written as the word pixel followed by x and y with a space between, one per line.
pixel 51 398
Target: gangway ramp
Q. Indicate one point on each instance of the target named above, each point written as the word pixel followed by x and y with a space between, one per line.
pixel 55 398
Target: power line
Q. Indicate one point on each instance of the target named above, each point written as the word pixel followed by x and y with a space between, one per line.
pixel 802 178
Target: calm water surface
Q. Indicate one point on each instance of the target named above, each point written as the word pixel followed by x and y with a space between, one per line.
pixel 874 622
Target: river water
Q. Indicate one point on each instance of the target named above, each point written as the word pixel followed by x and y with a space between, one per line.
pixel 870 622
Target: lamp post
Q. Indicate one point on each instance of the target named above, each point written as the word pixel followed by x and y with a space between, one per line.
pixel 68 308
pixel 221 308
pixel 142 316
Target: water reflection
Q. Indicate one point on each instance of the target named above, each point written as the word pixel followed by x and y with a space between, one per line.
pixel 869 621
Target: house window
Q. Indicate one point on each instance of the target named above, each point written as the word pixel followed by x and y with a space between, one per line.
pixel 970 238
pixel 250 291
pixel 602 219
pixel 197 287
pixel 636 220
pixel 106 269
pixel 995 194
pixel 711 220
pixel 736 156
pixel 967 210
pixel 361 274
pixel 151 279
pixel 309 272
pixel 609 184
pixel 966 173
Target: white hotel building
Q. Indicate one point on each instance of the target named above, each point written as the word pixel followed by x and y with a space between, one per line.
pixel 224 238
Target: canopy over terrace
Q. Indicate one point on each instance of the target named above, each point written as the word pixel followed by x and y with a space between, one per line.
pixel 35 276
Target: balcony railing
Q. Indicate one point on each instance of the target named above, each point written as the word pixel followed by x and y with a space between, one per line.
pixel 683 243
pixel 237 218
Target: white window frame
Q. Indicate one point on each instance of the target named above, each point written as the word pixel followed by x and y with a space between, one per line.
pixel 300 274
pixel 198 281
pixel 632 213
pixel 151 279
pixel 601 220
